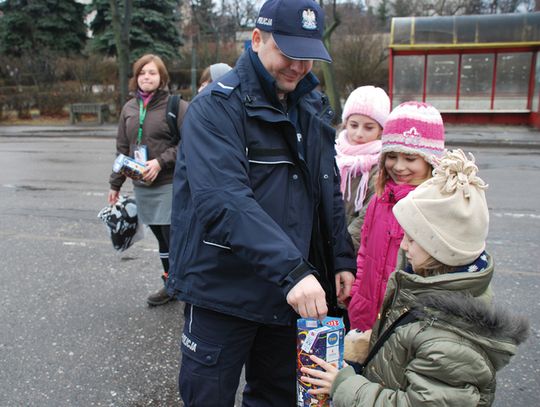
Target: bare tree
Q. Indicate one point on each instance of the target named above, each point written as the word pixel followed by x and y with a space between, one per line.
pixel 121 21
pixel 362 55
pixel 449 7
pixel 508 6
pixel 474 7
pixel 405 8
pixel 328 69
pixel 243 13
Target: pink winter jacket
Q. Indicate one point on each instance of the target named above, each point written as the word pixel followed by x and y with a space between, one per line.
pixel 377 256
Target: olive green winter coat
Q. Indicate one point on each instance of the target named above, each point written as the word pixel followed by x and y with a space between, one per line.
pixel 447 357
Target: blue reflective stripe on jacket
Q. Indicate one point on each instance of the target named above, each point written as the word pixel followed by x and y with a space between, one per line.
pixel 244 201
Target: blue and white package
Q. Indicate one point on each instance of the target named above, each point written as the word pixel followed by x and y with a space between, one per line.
pixel 323 339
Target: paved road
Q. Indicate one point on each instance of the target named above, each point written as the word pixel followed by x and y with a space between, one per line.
pixel 75 327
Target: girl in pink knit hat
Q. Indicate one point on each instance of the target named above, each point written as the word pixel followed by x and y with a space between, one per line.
pixel 358 147
pixel 412 142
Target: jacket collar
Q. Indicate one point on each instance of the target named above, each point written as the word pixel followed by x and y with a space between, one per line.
pixel 395 192
pixel 157 96
pixel 479 264
pixel 475 284
pixel 259 87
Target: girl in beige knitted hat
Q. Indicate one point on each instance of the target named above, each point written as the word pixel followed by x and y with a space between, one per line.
pixel 439 340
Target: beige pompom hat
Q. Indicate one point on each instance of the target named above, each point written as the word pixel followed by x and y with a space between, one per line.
pixel 448 215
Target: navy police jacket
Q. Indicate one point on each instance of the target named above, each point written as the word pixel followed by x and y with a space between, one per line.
pixel 256 203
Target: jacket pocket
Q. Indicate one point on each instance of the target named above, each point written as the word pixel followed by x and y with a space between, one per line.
pixel 269 156
pixel 199 351
pixel 213 244
pixel 199 375
pixel 270 170
pixel 267 166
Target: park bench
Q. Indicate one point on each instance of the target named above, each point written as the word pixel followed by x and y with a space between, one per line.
pixel 101 110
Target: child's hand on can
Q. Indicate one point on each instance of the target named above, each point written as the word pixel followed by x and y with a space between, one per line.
pixel 321 379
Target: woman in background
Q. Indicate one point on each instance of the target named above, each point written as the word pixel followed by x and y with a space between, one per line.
pixel 143 134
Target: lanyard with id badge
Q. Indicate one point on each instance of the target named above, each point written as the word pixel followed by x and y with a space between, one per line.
pixel 135 167
pixel 140 151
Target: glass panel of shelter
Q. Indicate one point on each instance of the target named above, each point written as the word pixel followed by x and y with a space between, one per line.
pixel 476 82
pixel 401 30
pixel 500 28
pixel 470 29
pixel 536 94
pixel 441 81
pixel 512 85
pixel 433 30
pixel 408 78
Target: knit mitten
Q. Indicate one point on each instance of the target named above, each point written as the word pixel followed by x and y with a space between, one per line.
pixel 357 345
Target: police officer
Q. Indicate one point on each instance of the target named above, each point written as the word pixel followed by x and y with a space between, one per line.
pixel 258 229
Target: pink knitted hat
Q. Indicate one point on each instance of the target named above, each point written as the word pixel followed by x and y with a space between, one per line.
pixel 369 101
pixel 414 128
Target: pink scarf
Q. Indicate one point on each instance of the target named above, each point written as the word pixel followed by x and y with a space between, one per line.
pixel 355 160
pixel 145 96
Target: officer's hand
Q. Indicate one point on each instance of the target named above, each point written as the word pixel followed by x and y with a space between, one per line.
pixel 344 282
pixel 308 299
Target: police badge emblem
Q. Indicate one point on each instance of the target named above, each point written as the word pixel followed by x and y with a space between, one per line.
pixel 309 20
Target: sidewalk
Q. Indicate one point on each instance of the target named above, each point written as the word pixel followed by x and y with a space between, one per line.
pixel 56 131
pixel 492 136
pixel 456 135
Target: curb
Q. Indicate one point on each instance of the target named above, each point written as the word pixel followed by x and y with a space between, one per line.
pixel 475 140
pixel 58 135
pixel 494 144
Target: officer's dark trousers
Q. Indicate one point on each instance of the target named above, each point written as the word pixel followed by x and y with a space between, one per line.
pixel 215 347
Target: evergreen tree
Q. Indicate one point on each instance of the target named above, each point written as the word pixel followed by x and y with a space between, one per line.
pixel 29 27
pixel 383 12
pixel 204 16
pixel 153 28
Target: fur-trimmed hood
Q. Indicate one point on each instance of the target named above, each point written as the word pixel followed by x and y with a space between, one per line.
pixel 461 303
pixel 496 330
pixel 471 314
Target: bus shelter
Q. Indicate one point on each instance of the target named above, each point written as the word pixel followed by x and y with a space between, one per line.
pixel 474 69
